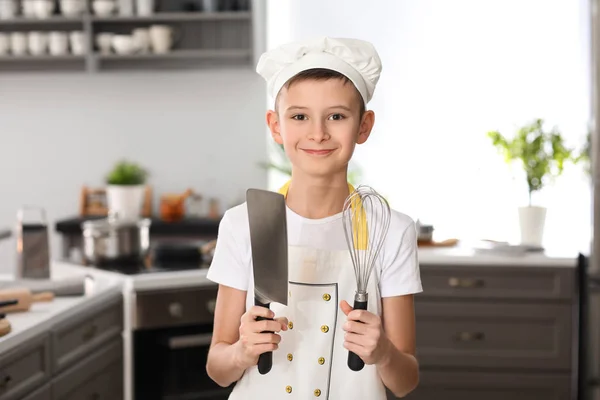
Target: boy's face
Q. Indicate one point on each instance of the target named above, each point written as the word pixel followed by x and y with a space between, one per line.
pixel 319 123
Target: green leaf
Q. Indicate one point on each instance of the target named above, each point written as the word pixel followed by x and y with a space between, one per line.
pixel 127 173
pixel 542 153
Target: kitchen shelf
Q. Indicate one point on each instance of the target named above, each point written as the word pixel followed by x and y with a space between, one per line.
pixel 177 17
pixel 203 40
pixel 177 54
pixel 54 20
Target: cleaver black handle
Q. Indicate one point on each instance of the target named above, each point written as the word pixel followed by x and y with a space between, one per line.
pixel 265 360
pixel 355 363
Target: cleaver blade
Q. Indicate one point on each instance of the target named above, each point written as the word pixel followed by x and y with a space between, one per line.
pixel 268 242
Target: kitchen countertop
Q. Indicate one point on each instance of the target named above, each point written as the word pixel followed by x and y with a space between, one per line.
pixel 105 284
pixel 42 316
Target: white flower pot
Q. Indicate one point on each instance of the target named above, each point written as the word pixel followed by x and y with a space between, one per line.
pixel 532 220
pixel 125 200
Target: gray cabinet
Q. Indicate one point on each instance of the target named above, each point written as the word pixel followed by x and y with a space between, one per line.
pixel 495 332
pixel 78 358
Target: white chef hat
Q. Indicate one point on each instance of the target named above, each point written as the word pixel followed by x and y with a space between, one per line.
pixel 356 59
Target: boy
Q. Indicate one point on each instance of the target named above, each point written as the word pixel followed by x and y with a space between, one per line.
pixel 320 90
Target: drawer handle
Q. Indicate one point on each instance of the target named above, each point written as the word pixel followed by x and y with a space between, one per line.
pixel 465 283
pixel 5 382
pixel 470 336
pixel 211 305
pixel 89 333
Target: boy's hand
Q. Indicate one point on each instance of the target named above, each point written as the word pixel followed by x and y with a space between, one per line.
pixel 364 334
pixel 252 343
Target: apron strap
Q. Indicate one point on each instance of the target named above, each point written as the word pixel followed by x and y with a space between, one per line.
pixel 360 238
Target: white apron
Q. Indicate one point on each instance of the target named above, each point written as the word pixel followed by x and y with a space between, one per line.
pixel 311 361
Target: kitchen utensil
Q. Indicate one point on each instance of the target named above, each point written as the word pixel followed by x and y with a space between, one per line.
pixel 72 286
pixel 366 217
pixel 111 239
pixel 172 206
pixel 25 299
pixel 33 246
pixel 268 242
pixel 5 327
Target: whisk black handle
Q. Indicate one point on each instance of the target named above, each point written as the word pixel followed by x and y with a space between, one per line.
pixel 354 361
pixel 265 360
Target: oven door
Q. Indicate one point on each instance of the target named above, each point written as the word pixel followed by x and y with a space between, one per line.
pixel 170 364
pixel 171 339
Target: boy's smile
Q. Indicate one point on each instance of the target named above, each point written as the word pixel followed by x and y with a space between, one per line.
pixel 319 124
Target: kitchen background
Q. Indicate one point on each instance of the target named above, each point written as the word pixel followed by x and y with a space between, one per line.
pixel 488 326
pixel 449 77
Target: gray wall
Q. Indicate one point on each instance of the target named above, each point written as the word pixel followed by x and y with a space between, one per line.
pixel 203 130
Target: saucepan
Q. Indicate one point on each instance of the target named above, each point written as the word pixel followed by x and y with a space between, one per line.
pixel 112 239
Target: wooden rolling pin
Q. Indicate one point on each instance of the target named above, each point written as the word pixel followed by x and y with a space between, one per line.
pixel 24 297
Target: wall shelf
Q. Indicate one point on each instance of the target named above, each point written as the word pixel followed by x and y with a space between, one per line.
pixel 203 40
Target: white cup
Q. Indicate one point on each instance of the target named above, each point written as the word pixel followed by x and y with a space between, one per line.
pixel 37 43
pixel 161 38
pixel 123 44
pixel 58 43
pixel 141 39
pixel 78 43
pixel 104 8
pixel 104 42
pixel 144 7
pixel 18 43
pixel 43 8
pixel 72 8
pixel 28 8
pixel 4 43
pixel 8 9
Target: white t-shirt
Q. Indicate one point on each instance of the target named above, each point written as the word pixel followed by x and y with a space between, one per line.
pixel 398 266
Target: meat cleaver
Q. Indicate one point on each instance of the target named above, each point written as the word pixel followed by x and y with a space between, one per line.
pixel 268 242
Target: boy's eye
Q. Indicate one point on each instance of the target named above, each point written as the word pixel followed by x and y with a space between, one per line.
pixel 299 117
pixel 337 117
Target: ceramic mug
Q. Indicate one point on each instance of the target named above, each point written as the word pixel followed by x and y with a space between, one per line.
pixel 77 42
pixel 4 43
pixel 58 43
pixel 37 43
pixel 18 43
pixel 163 38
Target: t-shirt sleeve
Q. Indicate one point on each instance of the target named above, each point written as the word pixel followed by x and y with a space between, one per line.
pixel 400 271
pixel 228 267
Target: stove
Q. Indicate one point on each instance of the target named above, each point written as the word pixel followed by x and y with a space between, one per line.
pixel 142 268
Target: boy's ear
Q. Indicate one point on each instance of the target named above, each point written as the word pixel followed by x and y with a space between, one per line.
pixel 366 126
pixel 273 123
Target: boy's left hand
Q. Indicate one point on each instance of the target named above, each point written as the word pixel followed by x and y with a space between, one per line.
pixel 364 334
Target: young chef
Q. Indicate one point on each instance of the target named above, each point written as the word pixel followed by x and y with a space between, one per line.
pixel 320 90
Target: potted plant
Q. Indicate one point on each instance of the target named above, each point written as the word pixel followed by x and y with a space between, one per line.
pixel 125 189
pixel 542 154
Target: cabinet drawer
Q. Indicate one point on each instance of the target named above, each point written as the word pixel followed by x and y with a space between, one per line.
pixel 74 339
pixel 25 368
pixel 178 307
pixel 99 376
pixel 43 393
pixel 497 282
pixel 464 334
pixel 449 385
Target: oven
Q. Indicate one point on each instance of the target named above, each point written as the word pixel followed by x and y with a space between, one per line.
pixel 171 337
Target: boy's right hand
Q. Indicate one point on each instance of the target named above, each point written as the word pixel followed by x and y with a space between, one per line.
pixel 252 342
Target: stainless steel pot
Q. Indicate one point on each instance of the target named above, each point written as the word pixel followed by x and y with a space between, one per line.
pixel 111 239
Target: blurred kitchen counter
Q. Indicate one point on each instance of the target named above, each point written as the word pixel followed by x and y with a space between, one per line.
pixel 99 289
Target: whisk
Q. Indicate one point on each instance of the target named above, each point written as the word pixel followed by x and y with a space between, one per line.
pixel 366 223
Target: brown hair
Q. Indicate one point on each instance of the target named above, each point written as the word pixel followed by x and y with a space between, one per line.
pixel 321 74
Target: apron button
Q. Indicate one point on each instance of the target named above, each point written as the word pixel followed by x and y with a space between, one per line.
pixel 291 325
pixel 290 357
pixel 317 392
pixel 326 297
pixel 324 328
pixel 321 360
pixel 288 389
